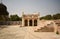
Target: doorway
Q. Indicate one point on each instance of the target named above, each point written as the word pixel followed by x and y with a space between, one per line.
pixel 35 22
pixel 30 22
pixel 26 22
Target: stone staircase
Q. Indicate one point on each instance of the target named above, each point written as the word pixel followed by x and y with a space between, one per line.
pixel 47 28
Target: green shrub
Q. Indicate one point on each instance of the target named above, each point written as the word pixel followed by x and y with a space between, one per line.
pixel 57 32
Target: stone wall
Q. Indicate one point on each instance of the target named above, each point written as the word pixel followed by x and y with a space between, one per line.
pixel 10 23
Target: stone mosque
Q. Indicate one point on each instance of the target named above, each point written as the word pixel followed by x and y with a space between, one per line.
pixel 30 19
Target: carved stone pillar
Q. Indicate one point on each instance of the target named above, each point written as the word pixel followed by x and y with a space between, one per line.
pixel 32 22
pixel 28 22
pixel 22 21
pixel 38 21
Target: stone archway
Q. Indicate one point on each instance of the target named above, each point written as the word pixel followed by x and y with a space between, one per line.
pixel 26 22
pixel 30 22
pixel 35 22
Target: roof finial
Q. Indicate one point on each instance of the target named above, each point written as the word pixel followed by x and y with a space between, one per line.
pixel 22 11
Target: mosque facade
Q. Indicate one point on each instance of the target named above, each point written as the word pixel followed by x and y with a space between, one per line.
pixel 30 19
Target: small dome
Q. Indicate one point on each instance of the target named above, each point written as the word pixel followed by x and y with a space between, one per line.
pixel 2 7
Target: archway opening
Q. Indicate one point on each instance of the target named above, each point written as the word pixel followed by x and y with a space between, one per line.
pixel 26 22
pixel 30 22
pixel 35 22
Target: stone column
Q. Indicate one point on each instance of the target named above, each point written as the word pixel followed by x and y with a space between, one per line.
pixel 32 22
pixel 22 21
pixel 22 18
pixel 37 21
pixel 28 22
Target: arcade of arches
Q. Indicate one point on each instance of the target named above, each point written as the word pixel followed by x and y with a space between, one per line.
pixel 30 20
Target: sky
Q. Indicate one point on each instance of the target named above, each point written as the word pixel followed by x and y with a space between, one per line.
pixel 45 7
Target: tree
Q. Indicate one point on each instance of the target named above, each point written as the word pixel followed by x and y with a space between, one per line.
pixel 4 14
pixel 57 32
pixel 41 18
pixel 14 18
pixel 47 17
pixel 56 16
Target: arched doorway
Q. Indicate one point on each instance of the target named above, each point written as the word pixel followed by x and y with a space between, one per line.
pixel 35 22
pixel 30 22
pixel 26 22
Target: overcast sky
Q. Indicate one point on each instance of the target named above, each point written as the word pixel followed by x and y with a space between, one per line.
pixel 30 6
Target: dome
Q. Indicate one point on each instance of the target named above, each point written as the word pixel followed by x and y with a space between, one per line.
pixel 3 9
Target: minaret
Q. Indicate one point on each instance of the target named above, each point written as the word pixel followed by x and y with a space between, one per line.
pixel 22 18
pixel 23 13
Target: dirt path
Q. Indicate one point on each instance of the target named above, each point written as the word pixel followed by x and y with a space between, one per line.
pixel 16 32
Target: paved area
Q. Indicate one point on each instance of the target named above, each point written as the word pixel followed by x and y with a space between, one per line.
pixel 16 32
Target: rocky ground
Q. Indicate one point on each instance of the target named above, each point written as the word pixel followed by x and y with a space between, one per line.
pixel 17 32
